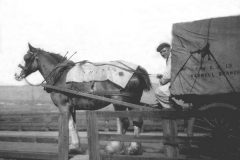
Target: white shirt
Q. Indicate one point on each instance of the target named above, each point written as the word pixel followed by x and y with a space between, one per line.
pixel 167 74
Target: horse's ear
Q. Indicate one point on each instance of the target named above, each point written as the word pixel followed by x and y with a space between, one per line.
pixel 31 48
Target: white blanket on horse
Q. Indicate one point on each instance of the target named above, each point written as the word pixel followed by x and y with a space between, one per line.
pixel 118 72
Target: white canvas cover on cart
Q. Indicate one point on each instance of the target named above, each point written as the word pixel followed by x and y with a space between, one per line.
pixel 206 57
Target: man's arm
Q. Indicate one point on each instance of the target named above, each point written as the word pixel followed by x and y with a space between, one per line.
pixel 166 77
pixel 164 80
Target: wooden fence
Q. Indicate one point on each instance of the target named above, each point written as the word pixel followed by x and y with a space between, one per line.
pixel 35 132
pixel 170 137
pixel 45 146
pixel 32 146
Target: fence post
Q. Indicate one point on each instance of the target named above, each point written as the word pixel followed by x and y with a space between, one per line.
pixel 47 122
pixel 92 131
pixel 106 128
pixel 20 125
pixel 170 130
pixel 63 139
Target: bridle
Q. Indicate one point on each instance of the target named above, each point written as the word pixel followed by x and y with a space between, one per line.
pixel 32 60
pixel 35 55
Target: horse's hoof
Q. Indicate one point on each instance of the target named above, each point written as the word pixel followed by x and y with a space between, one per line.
pixel 134 149
pixel 75 149
pixel 114 148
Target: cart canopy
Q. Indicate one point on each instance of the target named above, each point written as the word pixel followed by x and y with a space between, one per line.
pixel 206 57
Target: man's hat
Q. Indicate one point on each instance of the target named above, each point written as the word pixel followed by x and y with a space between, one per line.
pixel 162 45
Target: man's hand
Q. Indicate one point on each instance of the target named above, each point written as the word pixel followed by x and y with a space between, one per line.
pixel 159 76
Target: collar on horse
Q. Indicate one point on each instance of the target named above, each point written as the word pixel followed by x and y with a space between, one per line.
pixel 56 73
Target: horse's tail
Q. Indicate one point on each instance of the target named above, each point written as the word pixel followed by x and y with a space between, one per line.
pixel 145 81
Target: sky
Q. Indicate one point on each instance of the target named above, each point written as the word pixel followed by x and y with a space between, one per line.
pixel 98 30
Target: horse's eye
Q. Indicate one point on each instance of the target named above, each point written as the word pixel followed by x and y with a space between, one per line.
pixel 27 57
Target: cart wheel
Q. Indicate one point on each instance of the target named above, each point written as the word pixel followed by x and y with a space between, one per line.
pixel 221 134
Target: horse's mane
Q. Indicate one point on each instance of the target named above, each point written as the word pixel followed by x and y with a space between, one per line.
pixel 58 57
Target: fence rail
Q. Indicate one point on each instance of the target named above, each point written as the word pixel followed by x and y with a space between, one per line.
pixel 49 122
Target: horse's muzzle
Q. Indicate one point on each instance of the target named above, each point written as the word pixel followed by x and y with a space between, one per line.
pixel 22 73
pixel 20 76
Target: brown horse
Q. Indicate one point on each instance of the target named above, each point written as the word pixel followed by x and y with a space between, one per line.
pixel 54 69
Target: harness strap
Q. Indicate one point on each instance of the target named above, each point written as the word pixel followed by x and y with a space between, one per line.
pixel 113 93
pixel 102 93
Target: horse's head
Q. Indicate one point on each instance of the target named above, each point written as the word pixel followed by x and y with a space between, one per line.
pixel 31 64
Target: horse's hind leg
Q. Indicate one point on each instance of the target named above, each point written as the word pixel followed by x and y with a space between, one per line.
pixel 134 148
pixel 116 147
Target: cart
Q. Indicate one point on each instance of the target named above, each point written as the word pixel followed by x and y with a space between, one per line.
pixel 206 75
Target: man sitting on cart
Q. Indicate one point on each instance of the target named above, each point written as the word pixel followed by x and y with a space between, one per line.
pixel 162 93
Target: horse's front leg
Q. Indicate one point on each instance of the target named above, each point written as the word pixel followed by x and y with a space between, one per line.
pixel 65 105
pixel 75 146
pixel 134 148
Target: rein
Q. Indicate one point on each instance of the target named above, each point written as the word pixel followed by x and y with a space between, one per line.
pixel 101 93
pixel 34 85
pixel 45 79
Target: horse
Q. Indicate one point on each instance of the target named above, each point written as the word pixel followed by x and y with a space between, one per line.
pixel 54 68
